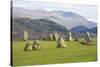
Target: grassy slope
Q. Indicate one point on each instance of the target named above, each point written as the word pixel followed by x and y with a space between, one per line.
pixel 49 54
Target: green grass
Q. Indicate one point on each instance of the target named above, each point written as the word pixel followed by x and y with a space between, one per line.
pixel 49 54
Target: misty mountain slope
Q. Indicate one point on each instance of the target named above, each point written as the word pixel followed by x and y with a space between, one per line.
pixel 38 28
pixel 80 29
pixel 19 12
pixel 67 19
pixel 83 29
pixel 76 19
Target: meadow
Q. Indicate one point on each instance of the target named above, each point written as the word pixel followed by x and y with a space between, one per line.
pixel 50 54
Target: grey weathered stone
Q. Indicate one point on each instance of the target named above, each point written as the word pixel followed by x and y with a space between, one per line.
pixel 87 40
pixel 69 38
pixel 56 36
pixel 61 43
pixel 87 37
pixel 28 46
pixel 36 45
pixel 25 35
pixel 50 37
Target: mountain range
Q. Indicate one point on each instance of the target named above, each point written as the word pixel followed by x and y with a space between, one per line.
pixel 67 19
pixel 41 22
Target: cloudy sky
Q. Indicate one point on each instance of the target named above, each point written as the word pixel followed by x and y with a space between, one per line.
pixel 88 11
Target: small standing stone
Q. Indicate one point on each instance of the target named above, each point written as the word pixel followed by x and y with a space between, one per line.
pixel 28 46
pixel 87 40
pixel 36 45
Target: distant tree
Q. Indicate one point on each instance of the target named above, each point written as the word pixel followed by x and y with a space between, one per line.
pixel 76 37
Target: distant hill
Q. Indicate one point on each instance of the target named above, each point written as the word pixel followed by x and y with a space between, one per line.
pixel 67 19
pixel 80 29
pixel 38 28
pixel 93 30
pixel 83 29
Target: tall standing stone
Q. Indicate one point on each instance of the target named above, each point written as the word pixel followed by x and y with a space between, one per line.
pixel 36 45
pixel 88 37
pixel 25 35
pixel 50 37
pixel 61 43
pixel 56 36
pixel 70 36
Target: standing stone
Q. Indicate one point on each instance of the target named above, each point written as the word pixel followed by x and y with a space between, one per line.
pixel 88 37
pixel 56 36
pixel 61 43
pixel 36 45
pixel 50 37
pixel 28 46
pixel 25 35
pixel 70 36
pixel 87 40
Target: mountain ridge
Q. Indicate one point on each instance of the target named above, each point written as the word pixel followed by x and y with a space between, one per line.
pixel 59 17
pixel 38 28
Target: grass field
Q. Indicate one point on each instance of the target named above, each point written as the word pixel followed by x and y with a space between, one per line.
pixel 49 54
